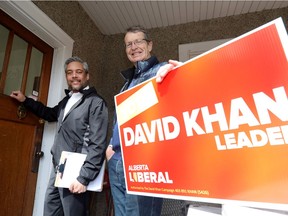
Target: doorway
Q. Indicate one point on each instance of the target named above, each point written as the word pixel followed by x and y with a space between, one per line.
pixel 25 64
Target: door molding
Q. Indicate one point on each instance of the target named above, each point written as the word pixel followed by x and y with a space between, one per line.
pixel 35 20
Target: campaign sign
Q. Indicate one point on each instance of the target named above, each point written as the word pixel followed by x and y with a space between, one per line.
pixel 216 129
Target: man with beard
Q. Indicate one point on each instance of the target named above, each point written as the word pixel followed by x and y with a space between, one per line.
pixel 82 118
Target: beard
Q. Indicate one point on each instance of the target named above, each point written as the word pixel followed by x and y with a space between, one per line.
pixel 77 88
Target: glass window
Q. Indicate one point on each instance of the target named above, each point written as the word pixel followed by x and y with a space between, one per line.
pixel 4 32
pixel 33 81
pixel 16 65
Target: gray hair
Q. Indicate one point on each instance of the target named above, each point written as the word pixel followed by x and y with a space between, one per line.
pixel 76 59
pixel 139 28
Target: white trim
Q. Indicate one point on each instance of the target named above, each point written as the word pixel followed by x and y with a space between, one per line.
pixel 191 50
pixel 36 21
pixel 32 18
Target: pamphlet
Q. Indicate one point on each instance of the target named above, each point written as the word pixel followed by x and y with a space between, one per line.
pixel 69 168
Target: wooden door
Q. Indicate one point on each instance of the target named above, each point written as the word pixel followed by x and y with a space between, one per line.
pixel 25 64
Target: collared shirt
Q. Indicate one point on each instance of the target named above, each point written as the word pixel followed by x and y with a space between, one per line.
pixel 74 97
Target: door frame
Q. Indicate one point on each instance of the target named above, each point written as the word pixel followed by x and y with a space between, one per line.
pixel 35 20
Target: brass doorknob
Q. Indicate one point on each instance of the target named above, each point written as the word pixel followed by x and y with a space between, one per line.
pixel 21 112
pixel 39 154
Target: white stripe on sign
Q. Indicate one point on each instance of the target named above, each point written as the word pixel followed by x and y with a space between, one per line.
pixel 137 103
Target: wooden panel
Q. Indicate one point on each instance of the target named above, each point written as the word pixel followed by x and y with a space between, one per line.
pixel 163 14
pixel 15 160
pixel 169 12
pixel 125 8
pixel 224 9
pixel 254 6
pixel 196 10
pixel 232 8
pixel 176 12
pixel 152 14
pixel 141 10
pixel 239 7
pixel 116 15
pixel 217 8
pixel 247 7
pixel 9 111
pixel 189 9
pixel 203 10
pixel 210 10
pixel 157 14
pixel 24 33
pixel 19 137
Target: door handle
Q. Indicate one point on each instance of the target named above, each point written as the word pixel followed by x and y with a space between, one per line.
pixel 36 158
pixel 21 111
pixel 39 154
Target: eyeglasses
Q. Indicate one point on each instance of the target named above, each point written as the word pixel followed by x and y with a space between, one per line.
pixel 135 42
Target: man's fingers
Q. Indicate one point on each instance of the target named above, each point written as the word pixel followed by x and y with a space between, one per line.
pixel 163 71
pixel 175 63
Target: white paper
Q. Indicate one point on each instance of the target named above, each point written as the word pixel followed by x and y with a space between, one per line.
pixel 74 162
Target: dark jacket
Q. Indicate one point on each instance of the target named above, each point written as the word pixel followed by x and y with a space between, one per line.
pixel 83 130
pixel 133 76
pixel 144 71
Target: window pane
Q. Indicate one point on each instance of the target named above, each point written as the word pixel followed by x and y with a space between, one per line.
pixel 33 81
pixel 3 42
pixel 16 65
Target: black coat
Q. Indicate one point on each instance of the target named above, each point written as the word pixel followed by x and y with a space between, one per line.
pixel 83 130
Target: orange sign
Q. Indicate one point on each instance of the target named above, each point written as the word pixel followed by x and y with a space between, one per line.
pixel 216 129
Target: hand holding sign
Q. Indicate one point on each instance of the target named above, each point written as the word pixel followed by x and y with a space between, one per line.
pixel 223 120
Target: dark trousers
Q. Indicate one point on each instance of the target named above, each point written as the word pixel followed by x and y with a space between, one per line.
pixel 60 201
pixel 150 206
